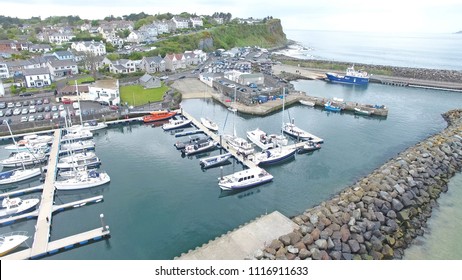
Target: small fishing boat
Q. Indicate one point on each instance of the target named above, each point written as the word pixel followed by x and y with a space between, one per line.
pixel 18 175
pixel 363 112
pixel 24 158
pixel 158 116
pixel 174 124
pixel 11 241
pixel 329 106
pixel 273 156
pixel 16 205
pixel 199 147
pixel 307 103
pixel 209 124
pixel 308 147
pixel 214 161
pixel 244 179
pixel 83 180
pixel 265 141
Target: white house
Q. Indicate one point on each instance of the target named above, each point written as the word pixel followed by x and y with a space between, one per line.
pixel 60 37
pixel 37 77
pixel 152 64
pixel 105 92
pixel 39 48
pixel 61 68
pixel 180 22
pixel 4 73
pixel 121 66
pixel 63 55
pixel 196 21
pixel 174 61
pixel 96 48
pixel 136 37
pixel 162 27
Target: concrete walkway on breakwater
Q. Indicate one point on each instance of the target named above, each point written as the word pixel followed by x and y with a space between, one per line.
pixel 242 242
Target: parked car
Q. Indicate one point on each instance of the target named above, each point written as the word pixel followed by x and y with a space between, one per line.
pixel 39 102
pixel 46 101
pixel 24 119
pixel 66 101
pixel 17 111
pixel 47 116
pixel 55 115
pixel 8 112
pixel 24 111
pixel 32 109
pixel 114 107
pixel 31 118
pixel 1 113
pixel 61 107
pixel 47 108
pixel 54 108
pixel 18 104
pixel 40 117
pixel 2 105
pixel 10 105
pixel 40 109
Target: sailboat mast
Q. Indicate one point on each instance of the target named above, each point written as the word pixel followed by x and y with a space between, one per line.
pixel 234 116
pixel 15 144
pixel 78 100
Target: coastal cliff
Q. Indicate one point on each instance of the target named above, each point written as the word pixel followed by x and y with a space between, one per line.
pixel 380 215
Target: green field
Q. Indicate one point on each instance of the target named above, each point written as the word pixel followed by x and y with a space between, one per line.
pixel 136 95
pixel 83 80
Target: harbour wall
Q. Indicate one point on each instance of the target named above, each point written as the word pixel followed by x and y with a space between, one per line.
pixel 379 216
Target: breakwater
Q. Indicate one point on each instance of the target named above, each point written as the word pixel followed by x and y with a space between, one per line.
pixel 379 216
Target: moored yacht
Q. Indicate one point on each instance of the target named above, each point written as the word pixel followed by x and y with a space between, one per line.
pixel 83 180
pixel 175 123
pixel 209 124
pixel 12 240
pixel 199 147
pixel 245 179
pixel 18 175
pixel 265 141
pixel 16 205
pixel 296 132
pixel 273 156
pixel 24 158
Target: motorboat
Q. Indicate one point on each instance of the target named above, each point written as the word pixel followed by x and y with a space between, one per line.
pixel 209 124
pixel 77 135
pixel 77 156
pixel 273 156
pixel 18 175
pixel 192 140
pixel 24 146
pixel 16 205
pixel 158 116
pixel 242 146
pixel 83 180
pixel 24 158
pixel 77 146
pixel 90 163
pixel 199 147
pixel 265 141
pixel 174 124
pixel 308 147
pixel 298 133
pixel 307 103
pixel 11 241
pixel 245 179
pixel 214 161
pixel 89 125
pixel 68 174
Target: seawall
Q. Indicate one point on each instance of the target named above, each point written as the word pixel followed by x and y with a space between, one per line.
pixel 380 215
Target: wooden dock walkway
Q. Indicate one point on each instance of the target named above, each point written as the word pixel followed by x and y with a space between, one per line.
pixel 42 233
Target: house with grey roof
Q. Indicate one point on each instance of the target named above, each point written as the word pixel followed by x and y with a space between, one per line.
pixel 61 68
pixel 37 77
pixel 121 66
pixel 39 48
pixel 63 55
pixel 153 64
pixel 148 81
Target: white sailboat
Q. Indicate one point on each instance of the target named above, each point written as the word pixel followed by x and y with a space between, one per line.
pixel 17 175
pixel 77 146
pixel 13 206
pixel 174 124
pixel 83 180
pixel 241 145
pixel 24 158
pixel 11 241
pixel 77 135
pixel 207 122
pixel 76 157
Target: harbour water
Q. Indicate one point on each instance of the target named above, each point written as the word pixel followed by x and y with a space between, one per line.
pixel 159 204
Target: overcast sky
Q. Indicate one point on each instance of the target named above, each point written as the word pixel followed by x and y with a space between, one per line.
pixel 436 16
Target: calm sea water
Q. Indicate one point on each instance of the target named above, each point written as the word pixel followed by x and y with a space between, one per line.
pixel 160 204
pixel 435 51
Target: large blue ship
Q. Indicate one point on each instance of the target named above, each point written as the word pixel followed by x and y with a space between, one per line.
pixel 351 77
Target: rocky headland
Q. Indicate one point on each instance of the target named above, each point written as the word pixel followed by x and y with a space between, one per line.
pixel 380 215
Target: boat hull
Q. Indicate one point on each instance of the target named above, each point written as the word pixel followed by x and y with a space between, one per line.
pixel 158 116
pixel 173 125
pixel 19 175
pixel 286 155
pixel 76 185
pixel 214 161
pixel 351 80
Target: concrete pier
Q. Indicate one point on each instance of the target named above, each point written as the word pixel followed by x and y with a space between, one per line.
pixel 242 242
